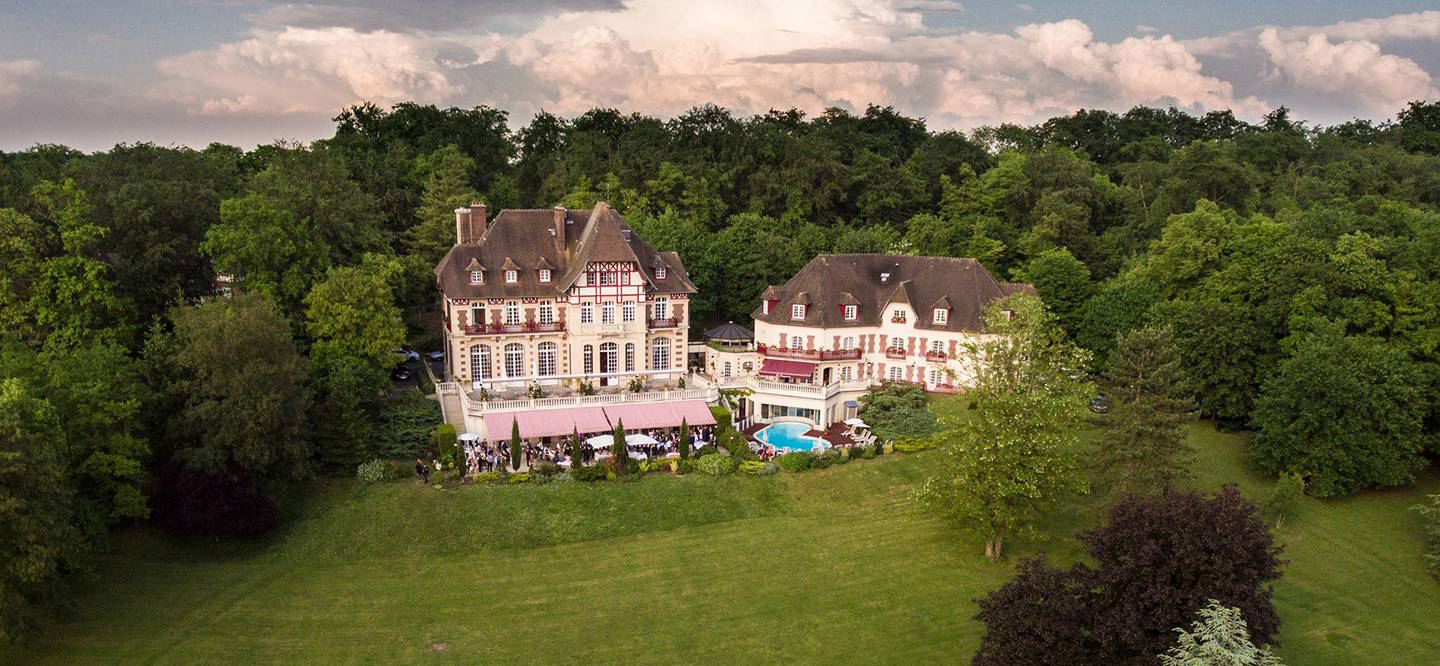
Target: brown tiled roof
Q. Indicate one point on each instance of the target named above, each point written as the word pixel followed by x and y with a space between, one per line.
pixel 527 238
pixel 832 280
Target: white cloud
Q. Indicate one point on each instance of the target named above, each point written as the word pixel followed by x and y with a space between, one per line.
pixel 1355 68
pixel 297 70
pixel 13 74
pixel 753 56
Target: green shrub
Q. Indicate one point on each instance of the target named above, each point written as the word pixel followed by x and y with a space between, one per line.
pixel 374 471
pixel 867 452
pixel 723 421
pixel 403 427
pixel 588 473
pixel 684 466
pixel 796 461
pixel 738 445
pixel 854 452
pixel 914 444
pixel 715 464
pixel 759 468
pixel 1285 499
pixel 490 477
pixel 544 468
pixel 520 477
pixel 400 469
pixel 563 477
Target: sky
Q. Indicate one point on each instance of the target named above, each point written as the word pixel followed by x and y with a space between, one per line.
pixel 248 72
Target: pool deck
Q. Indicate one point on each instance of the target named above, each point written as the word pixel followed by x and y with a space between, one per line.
pixel 835 435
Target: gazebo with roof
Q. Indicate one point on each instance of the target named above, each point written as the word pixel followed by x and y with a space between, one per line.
pixel 730 336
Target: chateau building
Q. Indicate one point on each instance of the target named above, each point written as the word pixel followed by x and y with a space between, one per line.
pixel 847 322
pixel 560 298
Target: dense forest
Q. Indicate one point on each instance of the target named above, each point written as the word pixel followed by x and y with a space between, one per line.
pixel 1298 267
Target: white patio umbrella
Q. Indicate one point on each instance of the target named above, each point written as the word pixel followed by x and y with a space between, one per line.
pixel 640 440
pixel 856 423
pixel 601 441
pixel 469 437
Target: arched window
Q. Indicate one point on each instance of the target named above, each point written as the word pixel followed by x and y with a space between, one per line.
pixel 480 362
pixel 936 377
pixel 514 360
pixel 545 359
pixel 629 357
pixel 609 361
pixel 660 354
pixel 588 356
pixel 895 374
pixel 847 343
pixel 937 347
pixel 796 343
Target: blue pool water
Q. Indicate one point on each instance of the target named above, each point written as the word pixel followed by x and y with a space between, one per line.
pixel 789 436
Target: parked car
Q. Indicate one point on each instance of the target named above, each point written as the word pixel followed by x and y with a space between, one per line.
pixel 401 373
pixel 1100 404
pixel 437 356
pixel 407 355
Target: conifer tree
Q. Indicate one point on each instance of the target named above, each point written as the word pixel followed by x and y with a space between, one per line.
pixel 515 444
pixel 1141 447
pixel 576 459
pixel 618 454
pixel 684 439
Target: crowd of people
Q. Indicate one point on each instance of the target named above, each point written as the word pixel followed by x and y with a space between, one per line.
pixel 495 456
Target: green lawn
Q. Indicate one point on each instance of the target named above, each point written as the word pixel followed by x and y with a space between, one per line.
pixel 825 567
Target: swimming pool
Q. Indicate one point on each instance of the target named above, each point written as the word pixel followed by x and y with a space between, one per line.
pixel 790 436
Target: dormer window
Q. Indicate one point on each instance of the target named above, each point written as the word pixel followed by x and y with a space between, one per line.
pixel 660 272
pixel 512 276
pixel 884 277
pixel 477 277
pixel 852 312
pixel 544 275
pixel 897 317
pixel 797 311
pixel 941 315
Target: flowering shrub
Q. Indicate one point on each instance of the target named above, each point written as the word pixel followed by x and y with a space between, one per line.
pixel 715 464
pixel 374 471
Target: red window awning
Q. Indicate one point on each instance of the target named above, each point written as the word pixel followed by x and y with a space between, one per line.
pixel 780 367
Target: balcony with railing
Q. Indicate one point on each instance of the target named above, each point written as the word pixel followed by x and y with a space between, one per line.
pixel 936 356
pixel 808 354
pixel 523 327
pixel 609 328
pixel 895 352
pixel 664 323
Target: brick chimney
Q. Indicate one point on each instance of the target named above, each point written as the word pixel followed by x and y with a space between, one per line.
pixel 462 226
pixel 558 226
pixel 478 221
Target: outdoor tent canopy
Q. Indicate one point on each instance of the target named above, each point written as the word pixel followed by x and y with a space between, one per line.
pixel 546 423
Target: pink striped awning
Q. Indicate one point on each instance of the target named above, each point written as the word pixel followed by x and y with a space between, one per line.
pixel 546 423
pixel 660 414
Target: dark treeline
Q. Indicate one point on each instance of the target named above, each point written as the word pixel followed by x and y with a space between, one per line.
pixel 1298 266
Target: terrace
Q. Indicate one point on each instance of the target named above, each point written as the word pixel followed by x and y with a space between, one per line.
pixel 526 327
pixel 808 354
